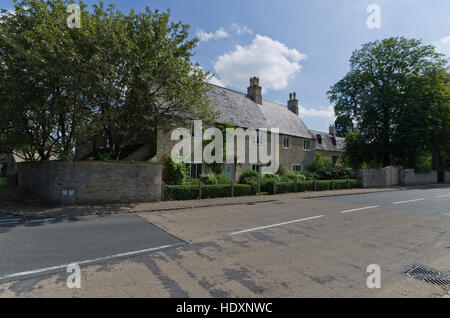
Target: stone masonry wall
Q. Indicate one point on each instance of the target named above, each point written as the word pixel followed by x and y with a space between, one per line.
pixel 295 155
pixel 86 182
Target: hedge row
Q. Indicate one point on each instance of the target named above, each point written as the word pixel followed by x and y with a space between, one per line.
pixel 192 192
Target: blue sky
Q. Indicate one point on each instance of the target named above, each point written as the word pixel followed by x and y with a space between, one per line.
pixel 295 45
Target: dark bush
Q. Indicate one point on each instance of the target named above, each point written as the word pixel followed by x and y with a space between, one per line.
pixel 216 191
pixel 181 192
pixel 284 187
pixel 241 190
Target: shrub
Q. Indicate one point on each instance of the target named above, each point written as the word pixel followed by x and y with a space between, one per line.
pixel 323 185
pixel 284 187
pixel 294 175
pixel 310 175
pixel 250 177
pixel 192 182
pixel 281 170
pixel 223 180
pixel 244 190
pixel 424 164
pixel 181 192
pixel 191 192
pixel 271 178
pixel 216 191
pixel 175 173
pixel 209 179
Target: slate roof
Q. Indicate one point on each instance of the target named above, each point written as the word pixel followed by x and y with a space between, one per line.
pixel 238 110
pixel 327 143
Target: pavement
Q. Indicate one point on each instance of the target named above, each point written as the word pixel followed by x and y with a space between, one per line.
pixel 32 211
pixel 285 247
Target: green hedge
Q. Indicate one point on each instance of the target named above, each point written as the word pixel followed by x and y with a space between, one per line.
pixel 191 192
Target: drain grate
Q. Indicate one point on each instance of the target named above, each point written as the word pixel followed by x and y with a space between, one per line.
pixel 428 275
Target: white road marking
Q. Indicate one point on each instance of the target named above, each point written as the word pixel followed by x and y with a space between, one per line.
pixel 443 196
pixel 360 209
pixel 52 268
pixel 42 220
pixel 401 202
pixel 275 225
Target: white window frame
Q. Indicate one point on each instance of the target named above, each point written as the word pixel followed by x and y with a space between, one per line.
pixel 257 138
pixel 304 145
pixel 288 138
pixel 258 168
pixel 297 165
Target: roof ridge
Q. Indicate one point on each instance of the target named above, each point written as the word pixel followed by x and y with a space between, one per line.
pixel 242 93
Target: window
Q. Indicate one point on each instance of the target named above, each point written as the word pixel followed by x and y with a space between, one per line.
pixel 196 171
pixel 297 168
pixel 333 140
pixel 257 138
pixel 319 139
pixel 307 145
pixel 287 142
pixel 256 168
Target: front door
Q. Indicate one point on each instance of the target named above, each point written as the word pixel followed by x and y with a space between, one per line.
pixel 228 171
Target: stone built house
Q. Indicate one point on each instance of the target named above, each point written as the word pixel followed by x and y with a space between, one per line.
pixel 297 144
pixel 329 145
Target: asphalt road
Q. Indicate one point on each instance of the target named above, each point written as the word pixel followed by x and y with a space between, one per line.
pixel 291 248
pixel 40 244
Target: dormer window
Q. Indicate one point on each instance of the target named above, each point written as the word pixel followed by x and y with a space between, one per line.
pixel 319 139
pixel 333 140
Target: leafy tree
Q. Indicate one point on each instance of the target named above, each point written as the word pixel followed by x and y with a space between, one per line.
pixel 355 151
pixel 344 125
pixel 391 92
pixel 142 74
pixel 121 76
pixel 41 69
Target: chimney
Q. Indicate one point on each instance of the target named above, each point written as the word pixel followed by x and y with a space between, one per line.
pixel 254 92
pixel 333 130
pixel 293 103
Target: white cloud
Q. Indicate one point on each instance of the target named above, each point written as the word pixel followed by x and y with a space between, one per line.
pixel 443 45
pixel 239 30
pixel 206 36
pixel 272 61
pixel 327 113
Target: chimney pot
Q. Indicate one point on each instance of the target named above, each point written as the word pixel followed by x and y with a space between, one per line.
pixel 293 103
pixel 333 130
pixel 254 92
